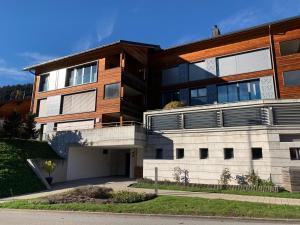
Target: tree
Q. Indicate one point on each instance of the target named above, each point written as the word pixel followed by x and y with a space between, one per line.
pixel 12 125
pixel 28 129
pixel 174 105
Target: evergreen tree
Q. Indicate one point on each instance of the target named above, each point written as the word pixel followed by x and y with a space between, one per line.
pixel 12 125
pixel 28 129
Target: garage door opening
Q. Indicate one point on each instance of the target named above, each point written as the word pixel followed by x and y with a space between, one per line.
pixel 90 162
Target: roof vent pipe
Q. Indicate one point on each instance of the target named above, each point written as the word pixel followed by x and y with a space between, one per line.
pixel 216 31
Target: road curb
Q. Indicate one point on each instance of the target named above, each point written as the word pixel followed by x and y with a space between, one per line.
pixel 244 219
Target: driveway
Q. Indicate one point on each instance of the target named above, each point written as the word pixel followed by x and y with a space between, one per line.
pixel 12 217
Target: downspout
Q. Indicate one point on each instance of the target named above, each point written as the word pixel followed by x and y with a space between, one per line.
pixel 275 78
pixel 33 90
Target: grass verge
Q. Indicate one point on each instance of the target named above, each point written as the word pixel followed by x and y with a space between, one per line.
pixel 16 177
pixel 174 206
pixel 283 194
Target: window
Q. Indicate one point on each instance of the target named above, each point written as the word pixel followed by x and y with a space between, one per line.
pixel 295 153
pixel 42 107
pixel 170 96
pixel 179 153
pixel 203 153
pixel 245 62
pixel 228 153
pixel 240 91
pixel 112 91
pixel 78 102
pixel 104 151
pixel 159 153
pixel 198 96
pixel 291 78
pixel 256 153
pixel 81 75
pixel 44 82
pixel 290 47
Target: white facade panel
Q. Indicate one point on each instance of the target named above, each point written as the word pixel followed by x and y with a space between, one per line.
pixel 227 66
pixel 77 125
pixel 53 80
pixel 61 78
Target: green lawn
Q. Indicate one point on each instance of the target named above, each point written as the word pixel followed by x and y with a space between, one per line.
pixel 174 205
pixel 283 194
pixel 16 177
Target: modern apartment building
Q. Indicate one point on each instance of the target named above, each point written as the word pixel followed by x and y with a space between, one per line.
pixel 242 97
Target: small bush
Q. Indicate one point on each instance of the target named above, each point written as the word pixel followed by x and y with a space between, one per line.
pixel 131 197
pixel 225 177
pixel 82 194
pixel 174 105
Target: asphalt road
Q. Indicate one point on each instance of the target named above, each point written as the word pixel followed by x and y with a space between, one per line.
pixel 26 217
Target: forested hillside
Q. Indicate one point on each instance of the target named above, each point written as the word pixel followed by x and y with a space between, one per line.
pixel 15 92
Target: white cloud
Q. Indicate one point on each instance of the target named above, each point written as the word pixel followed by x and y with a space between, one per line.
pixel 104 30
pixel 35 57
pixel 242 19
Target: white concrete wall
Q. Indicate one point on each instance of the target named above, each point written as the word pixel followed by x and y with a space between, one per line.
pixel 275 154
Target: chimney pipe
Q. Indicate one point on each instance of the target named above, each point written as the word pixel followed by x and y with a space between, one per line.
pixel 215 31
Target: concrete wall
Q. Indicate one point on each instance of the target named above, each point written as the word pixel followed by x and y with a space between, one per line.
pixel 275 154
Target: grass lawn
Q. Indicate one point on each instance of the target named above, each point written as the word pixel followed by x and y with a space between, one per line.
pixel 174 205
pixel 16 177
pixel 283 194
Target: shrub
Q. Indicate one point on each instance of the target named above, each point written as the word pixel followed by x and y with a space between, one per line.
pixel 181 175
pixel 49 166
pixel 174 105
pixel 131 197
pixel 81 194
pixel 225 177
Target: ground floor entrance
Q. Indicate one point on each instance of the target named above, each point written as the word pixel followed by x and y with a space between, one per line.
pixel 89 162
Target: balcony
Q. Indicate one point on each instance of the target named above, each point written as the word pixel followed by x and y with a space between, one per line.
pixel 111 135
pixel 261 113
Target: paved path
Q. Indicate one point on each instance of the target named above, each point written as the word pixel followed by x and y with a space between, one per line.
pixel 26 217
pixel 122 184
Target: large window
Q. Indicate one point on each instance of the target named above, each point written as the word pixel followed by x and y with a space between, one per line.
pixel 239 91
pixel 81 75
pixel 203 153
pixel 244 62
pixel 112 91
pixel 290 47
pixel 198 96
pixel 170 96
pixel 291 78
pixel 44 82
pixel 159 153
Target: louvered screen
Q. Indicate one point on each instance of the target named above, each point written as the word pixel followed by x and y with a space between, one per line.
pixel 286 115
pixel 166 122
pixel 42 110
pixel 78 103
pixel 242 117
pixel 200 120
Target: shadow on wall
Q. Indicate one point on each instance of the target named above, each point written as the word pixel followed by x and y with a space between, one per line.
pixel 158 141
pixel 61 140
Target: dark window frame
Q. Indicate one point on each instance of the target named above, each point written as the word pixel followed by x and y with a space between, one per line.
pixel 284 73
pixel 256 155
pixel 203 153
pixel 228 153
pixel 179 153
pixel 43 78
pixel 285 42
pixel 159 153
pixel 295 153
pixel 90 65
pixel 113 96
pixel 198 97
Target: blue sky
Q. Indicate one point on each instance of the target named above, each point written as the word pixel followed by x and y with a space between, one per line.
pixel 33 31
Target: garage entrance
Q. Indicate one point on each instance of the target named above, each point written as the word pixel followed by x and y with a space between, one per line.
pixel 90 162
